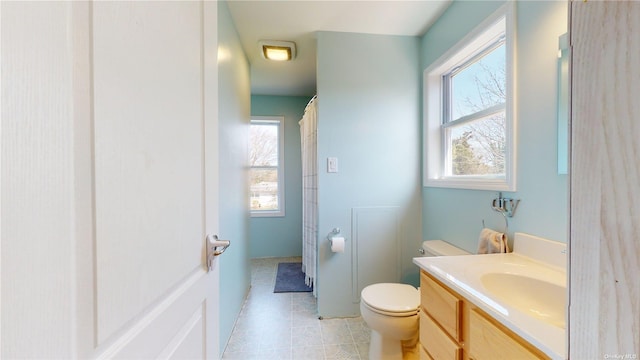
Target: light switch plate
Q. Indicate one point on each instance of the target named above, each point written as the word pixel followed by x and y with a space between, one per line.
pixel 332 164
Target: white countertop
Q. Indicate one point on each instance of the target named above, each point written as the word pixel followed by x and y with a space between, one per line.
pixel 463 275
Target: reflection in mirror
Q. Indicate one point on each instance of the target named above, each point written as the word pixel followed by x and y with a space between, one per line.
pixel 563 104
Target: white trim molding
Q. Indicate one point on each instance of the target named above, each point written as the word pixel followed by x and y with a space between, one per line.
pixel 433 148
pixel 280 212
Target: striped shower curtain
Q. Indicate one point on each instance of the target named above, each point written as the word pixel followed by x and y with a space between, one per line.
pixel 308 138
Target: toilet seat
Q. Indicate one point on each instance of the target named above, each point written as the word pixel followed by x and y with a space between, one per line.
pixel 391 313
pixel 391 299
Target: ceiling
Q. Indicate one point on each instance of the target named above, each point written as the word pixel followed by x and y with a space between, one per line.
pixel 298 20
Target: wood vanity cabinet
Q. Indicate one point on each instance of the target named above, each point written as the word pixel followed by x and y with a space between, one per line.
pixel 453 328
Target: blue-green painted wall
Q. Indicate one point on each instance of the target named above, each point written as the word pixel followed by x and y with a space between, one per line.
pixel 282 236
pixel 369 118
pixel 456 215
pixel 234 116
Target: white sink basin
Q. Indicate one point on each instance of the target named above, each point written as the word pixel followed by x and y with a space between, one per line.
pixel 524 290
pixel 540 299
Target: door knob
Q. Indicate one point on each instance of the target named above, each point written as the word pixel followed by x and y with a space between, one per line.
pixel 215 247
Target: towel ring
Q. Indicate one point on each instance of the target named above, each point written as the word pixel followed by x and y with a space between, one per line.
pixel 506 222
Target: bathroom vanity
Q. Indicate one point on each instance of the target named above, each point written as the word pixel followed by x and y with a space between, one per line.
pixel 452 327
pixel 497 306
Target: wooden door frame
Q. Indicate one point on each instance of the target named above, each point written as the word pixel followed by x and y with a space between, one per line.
pixel 604 245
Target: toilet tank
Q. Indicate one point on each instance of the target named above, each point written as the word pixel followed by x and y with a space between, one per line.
pixel 441 248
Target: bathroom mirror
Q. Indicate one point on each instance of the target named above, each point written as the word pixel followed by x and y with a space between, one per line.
pixel 563 104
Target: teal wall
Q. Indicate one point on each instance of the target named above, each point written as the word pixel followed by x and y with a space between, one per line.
pixel 456 215
pixel 234 116
pixel 282 236
pixel 369 118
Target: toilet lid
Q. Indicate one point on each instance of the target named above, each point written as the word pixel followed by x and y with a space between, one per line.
pixel 389 297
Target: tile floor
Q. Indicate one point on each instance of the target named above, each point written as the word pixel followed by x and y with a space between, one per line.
pixel 286 325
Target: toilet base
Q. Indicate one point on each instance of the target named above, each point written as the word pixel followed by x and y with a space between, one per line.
pixel 381 348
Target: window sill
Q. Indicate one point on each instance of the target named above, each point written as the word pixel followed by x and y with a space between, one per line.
pixel 472 184
pixel 274 213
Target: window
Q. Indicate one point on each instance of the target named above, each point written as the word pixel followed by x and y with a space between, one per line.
pixel 469 123
pixel 266 144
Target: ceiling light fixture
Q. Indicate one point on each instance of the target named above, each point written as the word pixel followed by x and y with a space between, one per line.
pixel 277 50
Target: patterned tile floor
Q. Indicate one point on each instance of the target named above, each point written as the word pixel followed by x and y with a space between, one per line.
pixel 286 325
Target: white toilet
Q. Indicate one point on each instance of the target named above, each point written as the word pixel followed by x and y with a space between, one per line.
pixel 391 311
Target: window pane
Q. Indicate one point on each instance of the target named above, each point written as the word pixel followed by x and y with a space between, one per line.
pixel 477 147
pixel 263 144
pixel 480 85
pixel 264 189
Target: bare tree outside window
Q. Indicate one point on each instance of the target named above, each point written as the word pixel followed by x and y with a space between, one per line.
pixel 264 160
pixel 478 133
pixel 469 122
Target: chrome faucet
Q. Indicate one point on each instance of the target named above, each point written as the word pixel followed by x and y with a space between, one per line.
pixel 505 206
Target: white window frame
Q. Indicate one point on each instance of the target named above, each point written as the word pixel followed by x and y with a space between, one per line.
pixel 434 152
pixel 280 212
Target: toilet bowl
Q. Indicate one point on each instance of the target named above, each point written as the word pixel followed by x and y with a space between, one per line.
pixel 391 311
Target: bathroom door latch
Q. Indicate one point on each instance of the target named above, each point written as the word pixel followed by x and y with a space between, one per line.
pixel 215 247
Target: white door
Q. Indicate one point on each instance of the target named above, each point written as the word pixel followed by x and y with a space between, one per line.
pixel 109 179
pixel 154 96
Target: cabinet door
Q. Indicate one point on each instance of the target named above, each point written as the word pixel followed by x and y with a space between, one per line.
pixel 487 341
pixel 442 305
pixel 424 355
pixel 438 344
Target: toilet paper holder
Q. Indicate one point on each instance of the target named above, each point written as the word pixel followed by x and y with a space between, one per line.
pixel 336 241
pixel 334 232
